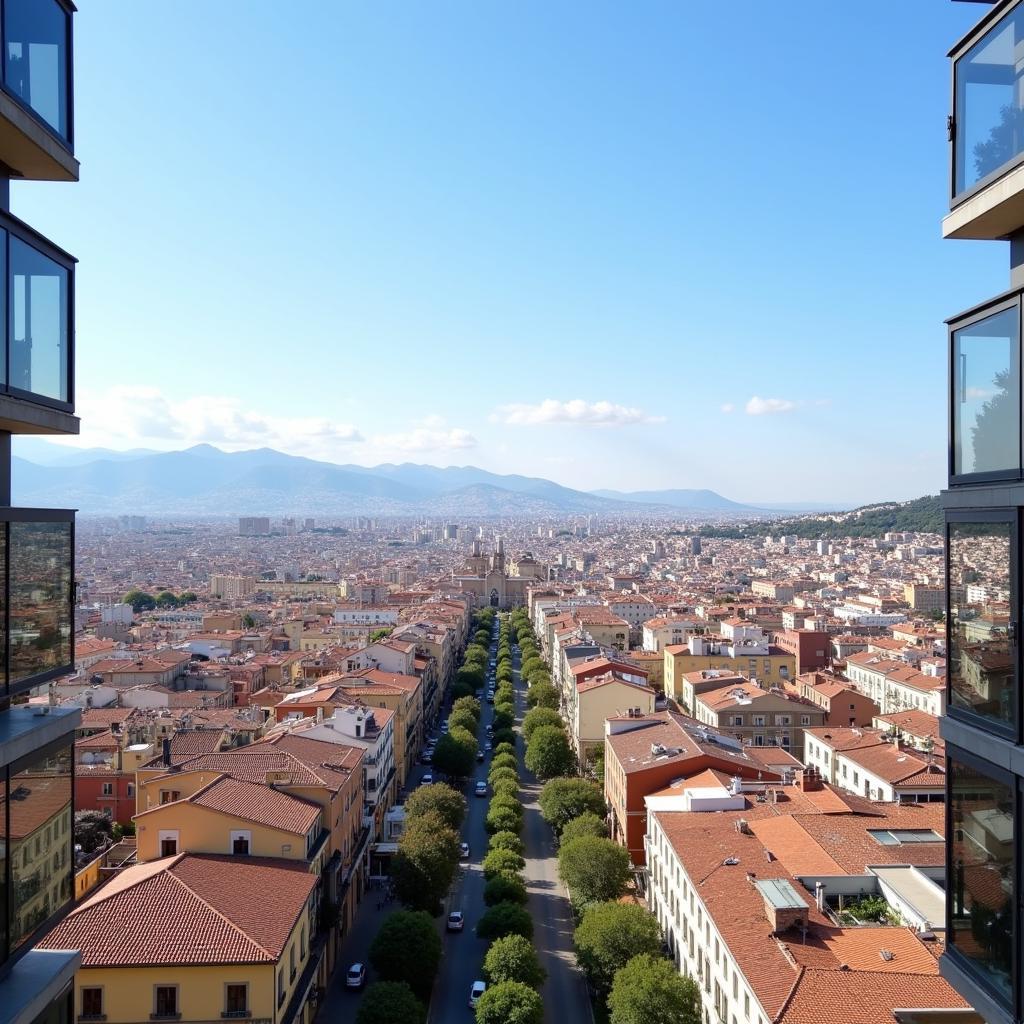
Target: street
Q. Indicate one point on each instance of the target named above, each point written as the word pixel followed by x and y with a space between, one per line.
pixel 564 992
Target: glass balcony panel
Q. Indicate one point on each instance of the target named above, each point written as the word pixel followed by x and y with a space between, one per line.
pixel 986 395
pixel 39 804
pixel 36 59
pixel 989 102
pixel 38 323
pixel 981 673
pixel 980 878
pixel 41 615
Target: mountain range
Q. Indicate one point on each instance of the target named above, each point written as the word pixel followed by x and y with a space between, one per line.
pixel 203 480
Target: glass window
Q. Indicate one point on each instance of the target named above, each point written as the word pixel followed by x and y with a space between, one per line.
pixel 38 323
pixel 36 59
pixel 92 1002
pixel 40 597
pixel 165 1000
pixel 981 675
pixel 39 797
pixel 980 877
pixel 236 1000
pixel 986 395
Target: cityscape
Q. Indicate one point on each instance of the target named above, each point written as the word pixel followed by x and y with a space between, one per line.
pixel 376 649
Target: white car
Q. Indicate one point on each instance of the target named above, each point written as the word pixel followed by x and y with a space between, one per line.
pixel 481 788
pixel 463 851
pixel 356 976
pixel 478 989
pixel 455 921
pixel 427 780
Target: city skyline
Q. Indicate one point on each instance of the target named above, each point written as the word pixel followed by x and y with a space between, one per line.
pixel 497 215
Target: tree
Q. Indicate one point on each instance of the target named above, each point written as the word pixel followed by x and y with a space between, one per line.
pixel 595 766
pixel 139 600
pixel 543 697
pixel 248 621
pixel 593 869
pixel 503 736
pixel 561 800
pixel 505 841
pixel 511 1002
pixel 166 599
pixel 513 958
pixel 470 704
pixel 504 888
pixel 540 677
pixel 649 990
pixel 504 761
pixel 501 819
pixel 548 753
pixel 93 830
pixel 390 1002
pixel 503 717
pixel 586 824
pixel 470 678
pixel 441 799
pixel 536 717
pixel 380 634
pixel 498 861
pixel 188 597
pixel 496 775
pixel 504 748
pixel 462 719
pixel 610 935
pixel 424 866
pixel 529 664
pixel 407 948
pixel 505 919
pixel 453 757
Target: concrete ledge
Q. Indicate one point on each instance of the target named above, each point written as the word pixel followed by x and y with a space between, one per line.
pixel 984 496
pixel 35 981
pixel 21 417
pixel 29 149
pixel 22 731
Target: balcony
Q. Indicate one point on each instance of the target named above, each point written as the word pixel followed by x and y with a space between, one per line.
pixel 37 560
pixel 986 128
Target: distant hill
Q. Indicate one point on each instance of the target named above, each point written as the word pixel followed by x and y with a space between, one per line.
pixel 922 515
pixel 678 499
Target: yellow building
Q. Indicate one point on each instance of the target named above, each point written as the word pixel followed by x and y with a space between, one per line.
pixel 198 938
pixel 766 662
pixel 597 699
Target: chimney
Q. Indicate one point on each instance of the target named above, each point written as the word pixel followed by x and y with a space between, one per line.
pixel 808 780
pixel 819 895
pixel 167 752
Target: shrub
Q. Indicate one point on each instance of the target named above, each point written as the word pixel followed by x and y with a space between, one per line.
pixel 505 919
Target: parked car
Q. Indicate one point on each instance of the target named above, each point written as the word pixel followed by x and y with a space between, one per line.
pixel 478 989
pixel 444 726
pixel 490 696
pixel 427 780
pixel 481 788
pixel 356 976
pixel 488 747
pixel 463 851
pixel 490 729
pixel 427 757
pixel 479 757
pixel 455 921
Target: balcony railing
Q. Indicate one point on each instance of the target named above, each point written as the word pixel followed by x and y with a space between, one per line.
pixel 985 395
pixel 37 580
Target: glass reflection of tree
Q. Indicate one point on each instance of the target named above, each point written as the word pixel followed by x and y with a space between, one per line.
pixel 995 426
pixel 1003 144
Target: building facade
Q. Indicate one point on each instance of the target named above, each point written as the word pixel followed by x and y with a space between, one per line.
pixel 984 502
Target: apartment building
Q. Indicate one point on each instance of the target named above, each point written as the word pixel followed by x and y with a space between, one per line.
pixel 600 696
pixel 842 703
pixel 37 396
pixel 896 686
pixel 984 501
pixel 752 656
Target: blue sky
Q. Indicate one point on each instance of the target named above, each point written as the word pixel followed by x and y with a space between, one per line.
pixel 619 245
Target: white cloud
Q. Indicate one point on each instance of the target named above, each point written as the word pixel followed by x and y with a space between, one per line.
pixel 728 407
pixel 766 406
pixel 576 411
pixel 979 393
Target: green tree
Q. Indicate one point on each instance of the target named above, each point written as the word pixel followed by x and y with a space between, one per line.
pixel 501 819
pixel 462 719
pixel 511 1002
pixel 470 678
pixel 529 664
pixel 140 601
pixel 166 599
pixel 424 867
pixel 498 861
pixel 505 841
pixel 548 753
pixel 504 761
pixel 504 748
pixel 610 935
pixel 585 825
pixel 503 736
pixel 390 1002
pixel 407 948
pixel 380 634
pixel 513 958
pixel 503 718
pixel 470 704
pixel 595 766
pixel 561 800
pixel 536 717
pixel 505 787
pixel 93 830
pixel 594 869
pixel 440 799
pixel 248 621
pixel 453 757
pixel 543 697
pixel 188 597
pixel 496 775
pixel 505 888
pixel 505 919
pixel 649 990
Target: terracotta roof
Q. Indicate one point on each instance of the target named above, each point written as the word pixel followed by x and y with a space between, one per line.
pixel 187 910
pixel 258 803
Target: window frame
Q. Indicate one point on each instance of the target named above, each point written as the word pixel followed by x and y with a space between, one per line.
pixel 1011 516
pixel 82 1015
pixel 976 314
pixel 156 1014
pixel 227 1012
